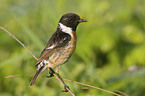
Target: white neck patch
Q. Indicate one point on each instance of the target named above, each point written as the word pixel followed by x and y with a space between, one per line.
pixel 66 29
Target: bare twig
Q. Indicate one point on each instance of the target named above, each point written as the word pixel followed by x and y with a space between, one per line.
pixel 10 76
pixel 62 84
pixel 93 87
pixel 28 51
pixel 18 41
pixel 120 92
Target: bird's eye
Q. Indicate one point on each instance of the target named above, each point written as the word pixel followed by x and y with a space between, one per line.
pixel 69 19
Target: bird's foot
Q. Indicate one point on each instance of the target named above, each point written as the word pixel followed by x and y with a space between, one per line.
pixel 65 88
pixel 51 72
pixel 51 75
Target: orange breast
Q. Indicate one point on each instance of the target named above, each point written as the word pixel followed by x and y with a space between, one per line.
pixel 63 54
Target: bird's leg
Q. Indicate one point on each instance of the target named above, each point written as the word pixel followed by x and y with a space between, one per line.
pixel 51 72
pixel 61 80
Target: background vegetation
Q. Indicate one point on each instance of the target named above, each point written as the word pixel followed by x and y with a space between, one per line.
pixel 110 50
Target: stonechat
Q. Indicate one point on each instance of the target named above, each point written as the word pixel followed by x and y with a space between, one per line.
pixel 61 45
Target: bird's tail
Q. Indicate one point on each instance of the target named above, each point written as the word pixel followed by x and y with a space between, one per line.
pixel 42 68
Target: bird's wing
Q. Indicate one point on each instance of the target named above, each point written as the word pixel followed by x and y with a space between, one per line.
pixel 56 42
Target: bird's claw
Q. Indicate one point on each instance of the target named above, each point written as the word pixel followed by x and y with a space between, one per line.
pixel 65 88
pixel 51 75
pixel 51 72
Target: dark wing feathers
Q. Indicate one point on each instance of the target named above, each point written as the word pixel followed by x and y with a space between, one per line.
pixel 58 40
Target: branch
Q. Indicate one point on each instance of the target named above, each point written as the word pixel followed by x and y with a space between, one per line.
pixel 53 73
pixel 93 87
pixel 18 42
pixel 27 50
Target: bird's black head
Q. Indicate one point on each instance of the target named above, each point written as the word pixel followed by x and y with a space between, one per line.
pixel 71 20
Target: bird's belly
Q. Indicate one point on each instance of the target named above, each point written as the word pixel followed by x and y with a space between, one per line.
pixel 61 56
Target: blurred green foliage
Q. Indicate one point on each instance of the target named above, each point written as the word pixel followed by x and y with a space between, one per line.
pixel 110 50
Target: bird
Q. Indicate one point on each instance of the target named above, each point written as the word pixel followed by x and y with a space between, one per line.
pixel 60 46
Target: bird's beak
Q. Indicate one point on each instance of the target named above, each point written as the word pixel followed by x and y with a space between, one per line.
pixel 82 20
